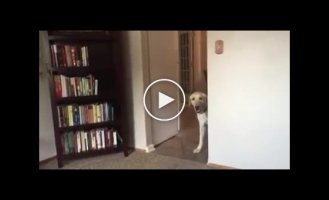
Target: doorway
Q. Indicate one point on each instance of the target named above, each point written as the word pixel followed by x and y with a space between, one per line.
pixel 192 76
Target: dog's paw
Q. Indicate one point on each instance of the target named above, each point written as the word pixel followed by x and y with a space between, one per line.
pixel 197 150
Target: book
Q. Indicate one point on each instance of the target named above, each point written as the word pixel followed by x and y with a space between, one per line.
pixel 96 87
pixel 79 141
pixel 115 139
pixel 103 138
pixel 68 55
pixel 93 140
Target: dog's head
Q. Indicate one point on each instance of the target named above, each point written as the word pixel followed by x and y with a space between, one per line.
pixel 199 102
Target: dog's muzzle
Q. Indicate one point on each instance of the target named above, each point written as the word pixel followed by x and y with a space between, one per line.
pixel 197 109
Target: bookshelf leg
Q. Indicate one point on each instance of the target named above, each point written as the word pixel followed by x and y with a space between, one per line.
pixel 125 152
pixel 60 163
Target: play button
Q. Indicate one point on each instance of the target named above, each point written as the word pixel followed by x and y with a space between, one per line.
pixel 164 99
pixel 166 106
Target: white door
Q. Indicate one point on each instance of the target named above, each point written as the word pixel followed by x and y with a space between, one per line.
pixel 164 63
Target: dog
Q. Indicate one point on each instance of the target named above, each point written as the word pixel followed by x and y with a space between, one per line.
pixel 199 102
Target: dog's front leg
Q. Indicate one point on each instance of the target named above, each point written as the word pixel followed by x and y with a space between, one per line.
pixel 201 138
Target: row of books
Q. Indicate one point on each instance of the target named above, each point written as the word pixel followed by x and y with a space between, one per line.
pixel 73 115
pixel 69 56
pixel 75 86
pixel 95 139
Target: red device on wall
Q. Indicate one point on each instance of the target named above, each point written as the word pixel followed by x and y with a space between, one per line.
pixel 219 46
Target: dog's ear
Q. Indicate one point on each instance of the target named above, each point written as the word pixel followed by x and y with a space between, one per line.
pixel 205 97
pixel 190 99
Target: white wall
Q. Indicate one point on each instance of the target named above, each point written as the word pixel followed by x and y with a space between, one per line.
pixel 134 62
pixel 47 147
pixel 249 99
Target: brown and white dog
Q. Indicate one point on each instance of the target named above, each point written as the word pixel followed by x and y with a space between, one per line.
pixel 199 102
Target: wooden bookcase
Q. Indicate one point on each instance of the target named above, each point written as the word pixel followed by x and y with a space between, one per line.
pixel 87 54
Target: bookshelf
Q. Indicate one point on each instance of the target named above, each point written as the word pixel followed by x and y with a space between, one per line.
pixel 87 93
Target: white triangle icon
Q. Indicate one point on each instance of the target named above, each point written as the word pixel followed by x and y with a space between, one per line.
pixel 164 99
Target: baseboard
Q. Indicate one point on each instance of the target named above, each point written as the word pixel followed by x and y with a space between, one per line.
pixel 47 160
pixel 139 150
pixel 220 166
pixel 149 148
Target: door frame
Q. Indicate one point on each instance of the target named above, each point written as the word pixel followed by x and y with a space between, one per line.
pixel 198 62
pixel 146 74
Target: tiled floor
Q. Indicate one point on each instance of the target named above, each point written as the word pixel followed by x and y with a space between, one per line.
pixel 182 145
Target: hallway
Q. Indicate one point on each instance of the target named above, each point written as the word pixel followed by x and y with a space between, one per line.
pixel 183 144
